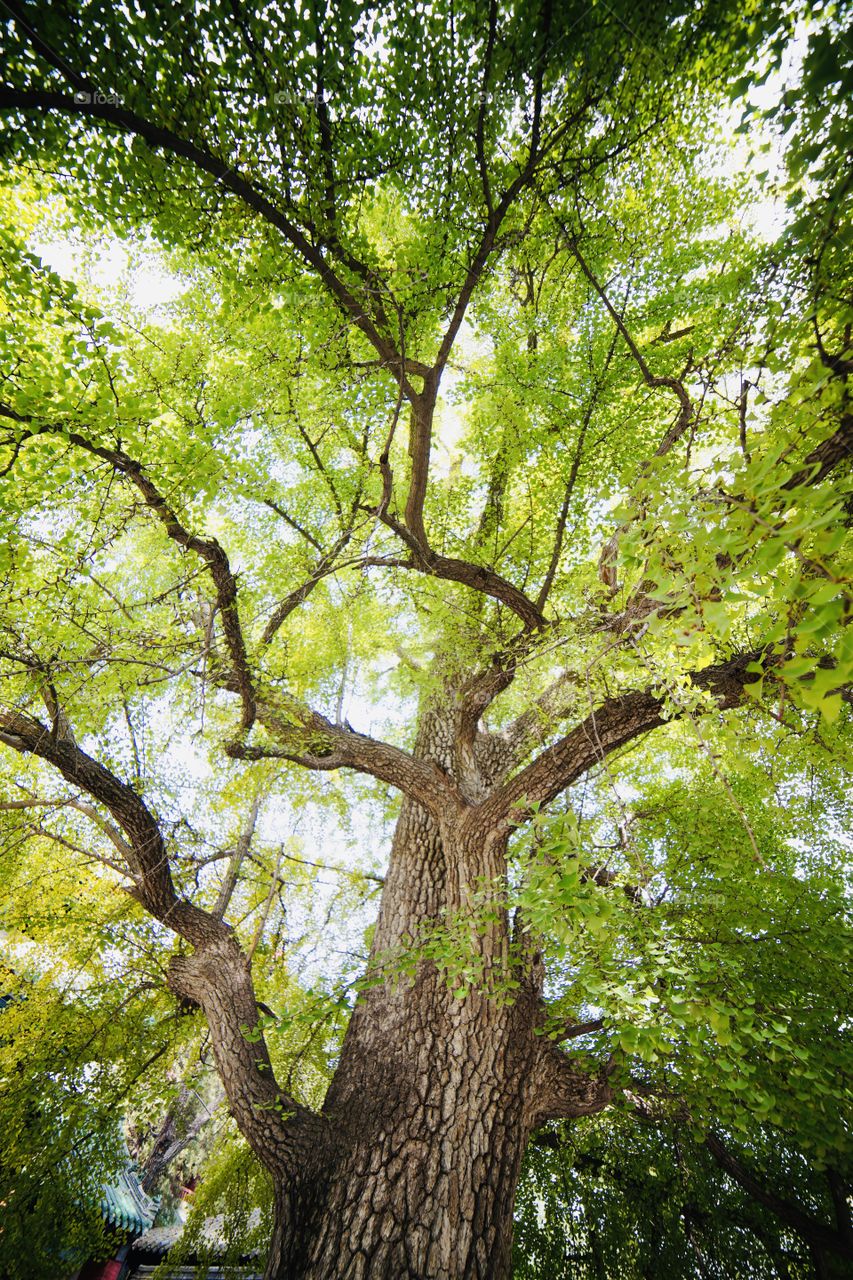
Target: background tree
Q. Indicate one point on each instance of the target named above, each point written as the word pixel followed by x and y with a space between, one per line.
pixel 484 421
pixel 611 1197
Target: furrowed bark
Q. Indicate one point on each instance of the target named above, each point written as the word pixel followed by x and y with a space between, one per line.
pixel 435 1096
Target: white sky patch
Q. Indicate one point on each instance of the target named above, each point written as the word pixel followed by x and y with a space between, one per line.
pixel 760 151
pixel 140 278
pixel 451 422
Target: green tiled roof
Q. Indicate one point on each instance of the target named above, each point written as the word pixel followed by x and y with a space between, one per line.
pixel 125 1205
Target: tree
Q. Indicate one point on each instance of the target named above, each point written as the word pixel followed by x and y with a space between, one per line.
pixel 605 637
pixel 611 1197
pixel 52 1116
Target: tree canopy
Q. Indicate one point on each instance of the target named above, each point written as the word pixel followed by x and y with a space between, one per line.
pixel 463 536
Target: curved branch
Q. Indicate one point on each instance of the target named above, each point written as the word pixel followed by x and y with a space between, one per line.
pixel 476 576
pixel 145 849
pixel 327 564
pixel 608 727
pixel 88 105
pixel 810 1228
pixel 818 464
pixel 308 739
pixel 216 976
pixel 686 411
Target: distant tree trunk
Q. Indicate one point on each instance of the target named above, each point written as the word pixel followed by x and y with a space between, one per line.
pixel 174 1123
pixel 182 1123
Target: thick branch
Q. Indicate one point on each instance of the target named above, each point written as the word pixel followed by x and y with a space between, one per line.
pixel 828 454
pixel 610 726
pixel 420 442
pixel 479 692
pixel 476 576
pixel 811 1229
pixel 145 850
pixel 216 976
pixel 309 739
pixel 564 1091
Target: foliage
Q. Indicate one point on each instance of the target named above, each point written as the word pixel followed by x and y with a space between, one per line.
pixel 611 1197
pixel 720 969
pixel 60 1139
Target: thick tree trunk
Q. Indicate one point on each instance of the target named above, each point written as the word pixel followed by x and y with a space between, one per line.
pixel 433 1101
pixel 428 1131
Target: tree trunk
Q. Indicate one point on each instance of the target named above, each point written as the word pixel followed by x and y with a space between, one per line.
pixel 409 1172
pixel 426 1137
pixel 432 1104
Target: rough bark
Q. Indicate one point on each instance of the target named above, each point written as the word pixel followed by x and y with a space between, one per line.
pixel 434 1099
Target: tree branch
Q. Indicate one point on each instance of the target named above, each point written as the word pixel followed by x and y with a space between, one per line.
pixel 563 1091
pixel 818 464
pixel 478 577
pixel 327 564
pixel 208 549
pixel 229 880
pixel 535 724
pixel 610 726
pixel 686 411
pixel 310 740
pixel 811 1229
pixel 89 105
pixel 144 850
pixel 297 528
pixel 178 1129
pixel 216 976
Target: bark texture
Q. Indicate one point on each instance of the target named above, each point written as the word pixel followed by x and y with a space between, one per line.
pixel 433 1101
